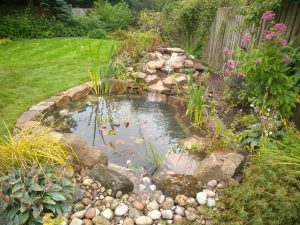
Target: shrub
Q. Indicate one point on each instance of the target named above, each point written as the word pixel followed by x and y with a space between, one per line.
pixel 26 196
pixel 97 33
pixel 272 82
pixel 117 16
pixel 270 192
pixel 32 147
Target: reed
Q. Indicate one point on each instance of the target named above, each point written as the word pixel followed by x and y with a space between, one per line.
pixel 153 156
pixel 196 104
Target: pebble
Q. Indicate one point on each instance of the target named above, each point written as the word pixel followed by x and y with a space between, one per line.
pixel 64 112
pixel 177 219
pixel 221 184
pixel 181 200
pixel 191 202
pixel 119 194
pixel 133 213
pixel 131 198
pixel 143 220
pixel 78 215
pixel 78 207
pixel 100 220
pixel 121 209
pixel 87 222
pixel 168 203
pixel 161 199
pixel 108 214
pixel 146 180
pixel 209 193
pixel 212 183
pixel 87 182
pixel 211 202
pixel 152 187
pixel 138 205
pixel 179 210
pixel 152 205
pixel 128 221
pixel 114 203
pixel 108 199
pixel 76 221
pixel 142 187
pixel 167 214
pixel 86 201
pixel 94 186
pixel 190 216
pixel 90 213
pixel 201 198
pixel 155 214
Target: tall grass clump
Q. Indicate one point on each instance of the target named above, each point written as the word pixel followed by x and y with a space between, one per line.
pixel 100 77
pixel 32 147
pixel 196 104
pixel 153 156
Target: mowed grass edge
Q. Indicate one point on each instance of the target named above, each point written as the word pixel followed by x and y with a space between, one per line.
pixel 32 70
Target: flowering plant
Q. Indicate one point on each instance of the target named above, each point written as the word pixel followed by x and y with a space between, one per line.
pixel 265 69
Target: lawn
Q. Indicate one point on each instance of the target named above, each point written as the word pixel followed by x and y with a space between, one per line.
pixel 32 70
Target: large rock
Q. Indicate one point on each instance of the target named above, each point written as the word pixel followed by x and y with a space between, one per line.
pixel 78 92
pixel 158 87
pixel 43 106
pixel 181 80
pixel 87 155
pixel 168 82
pixel 151 79
pixel 175 184
pixel 156 64
pixel 218 166
pixel 31 115
pixel 111 179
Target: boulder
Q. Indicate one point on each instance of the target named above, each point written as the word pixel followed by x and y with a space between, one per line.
pixel 60 100
pixel 199 143
pixel 175 184
pixel 168 82
pixel 158 87
pixel 141 76
pixel 149 71
pixel 156 64
pixel 181 80
pixel 151 79
pixel 43 106
pixel 218 166
pixel 111 179
pixel 78 92
pixel 177 65
pixel 31 115
pixel 188 63
pixel 87 155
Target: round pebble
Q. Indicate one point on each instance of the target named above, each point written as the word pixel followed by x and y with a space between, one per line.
pixel 155 214
pixel 167 214
pixel 201 198
pixel 121 209
pixel 143 220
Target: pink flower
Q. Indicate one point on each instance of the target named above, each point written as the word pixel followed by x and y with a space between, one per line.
pixel 258 61
pixel 268 16
pixel 269 35
pixel 281 27
pixel 282 42
pixel 246 39
pixel 226 51
pixel 227 72
pixel 230 64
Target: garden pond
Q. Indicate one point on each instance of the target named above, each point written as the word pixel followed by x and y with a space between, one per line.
pixel 132 130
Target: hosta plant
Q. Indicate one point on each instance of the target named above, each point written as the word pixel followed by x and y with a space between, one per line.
pixel 26 196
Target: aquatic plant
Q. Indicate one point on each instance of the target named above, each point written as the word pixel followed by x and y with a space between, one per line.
pixel 196 104
pixel 153 156
pixel 101 78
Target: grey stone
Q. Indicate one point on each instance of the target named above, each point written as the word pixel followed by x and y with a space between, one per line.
pixel 111 179
pixel 167 214
pixel 121 209
pixel 76 221
pixel 155 214
pixel 100 220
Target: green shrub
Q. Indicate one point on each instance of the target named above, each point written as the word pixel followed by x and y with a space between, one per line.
pixel 26 196
pixel 97 33
pixel 270 192
pixel 117 16
pixel 269 195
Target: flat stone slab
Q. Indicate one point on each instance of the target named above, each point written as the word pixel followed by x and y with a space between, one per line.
pixel 177 50
pixel 43 106
pixel 31 115
pixel 156 64
pixel 78 92
pixel 158 87
pixel 181 80
pixel 151 79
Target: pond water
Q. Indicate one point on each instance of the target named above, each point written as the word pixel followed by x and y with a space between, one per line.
pixel 126 127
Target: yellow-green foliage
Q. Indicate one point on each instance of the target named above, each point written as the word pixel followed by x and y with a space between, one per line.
pixel 48 220
pixel 32 147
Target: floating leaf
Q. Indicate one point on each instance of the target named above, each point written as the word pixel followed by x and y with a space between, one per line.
pixel 139 140
pixel 112 133
pixel 111 144
pixel 102 126
pixel 127 124
pixel 116 124
pixel 120 142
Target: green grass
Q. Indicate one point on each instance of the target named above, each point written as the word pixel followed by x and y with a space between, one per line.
pixel 32 70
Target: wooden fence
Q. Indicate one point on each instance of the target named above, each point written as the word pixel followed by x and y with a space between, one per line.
pixel 228 28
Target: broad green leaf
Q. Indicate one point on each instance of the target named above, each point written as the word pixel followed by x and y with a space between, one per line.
pixel 36 187
pixel 56 196
pixel 17 187
pixel 18 194
pixel 24 217
pixel 48 199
